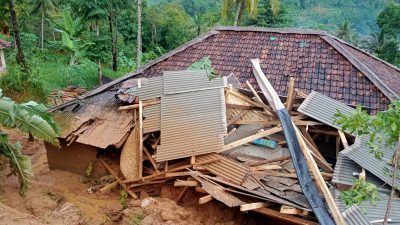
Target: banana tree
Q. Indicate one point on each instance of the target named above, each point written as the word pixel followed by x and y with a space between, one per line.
pixel 71 31
pixel 31 118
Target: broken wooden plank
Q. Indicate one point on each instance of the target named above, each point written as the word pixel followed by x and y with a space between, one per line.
pixel 154 146
pixel 267 109
pixel 284 217
pixel 337 215
pixel 291 95
pixel 200 190
pixel 177 174
pixel 293 211
pixel 243 98
pixel 252 206
pixel 111 171
pixel 236 118
pixel 205 199
pixel 187 183
pixel 150 159
pixel 265 167
pixel 137 106
pixel 252 138
pixel 244 107
pixel 343 138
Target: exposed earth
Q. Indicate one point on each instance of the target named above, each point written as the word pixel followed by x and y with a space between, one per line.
pixel 59 197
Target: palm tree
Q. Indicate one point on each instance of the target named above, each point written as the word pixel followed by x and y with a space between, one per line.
pixel 139 33
pixel 43 7
pixel 344 31
pixel 376 42
pixel 20 57
pixel 30 118
pixel 240 5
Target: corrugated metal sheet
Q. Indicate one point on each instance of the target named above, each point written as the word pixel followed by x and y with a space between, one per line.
pixel 354 216
pixel 218 192
pixel 374 211
pixel 359 152
pixel 152 88
pixel 190 80
pixel 323 108
pixel 344 170
pixel 192 123
pixel 225 168
pixel 152 121
pixel 109 125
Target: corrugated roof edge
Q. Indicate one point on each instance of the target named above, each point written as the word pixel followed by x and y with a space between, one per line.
pixel 333 41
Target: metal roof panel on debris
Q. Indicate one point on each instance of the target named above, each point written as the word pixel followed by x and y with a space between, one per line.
pixel 375 211
pixel 190 80
pixel 152 118
pixel 354 216
pixel 192 123
pixel 323 108
pixel 152 88
pixel 360 152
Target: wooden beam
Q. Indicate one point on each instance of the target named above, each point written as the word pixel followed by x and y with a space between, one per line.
pixel 293 211
pixel 150 158
pixel 144 104
pixel 244 107
pixel 237 117
pixel 252 206
pixel 267 109
pixel 193 160
pixel 188 183
pixel 337 215
pixel 252 138
pixel 177 174
pixel 284 217
pixel 269 161
pixel 140 124
pixel 200 190
pixel 243 98
pixel 154 146
pixel 205 199
pixel 265 167
pixel 291 95
pixel 343 138
pixel 307 136
pixel 111 171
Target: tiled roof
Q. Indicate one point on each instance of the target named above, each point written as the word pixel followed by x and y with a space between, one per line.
pixel 4 44
pixel 315 59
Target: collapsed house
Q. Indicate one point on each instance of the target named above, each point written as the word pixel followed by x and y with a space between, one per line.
pixel 221 136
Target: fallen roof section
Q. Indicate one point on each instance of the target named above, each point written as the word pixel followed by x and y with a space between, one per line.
pixel 360 152
pixel 323 108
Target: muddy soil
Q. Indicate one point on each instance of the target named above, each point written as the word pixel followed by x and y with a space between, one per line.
pixel 59 197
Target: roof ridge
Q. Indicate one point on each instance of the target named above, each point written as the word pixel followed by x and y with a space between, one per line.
pixel 272 30
pixel 372 76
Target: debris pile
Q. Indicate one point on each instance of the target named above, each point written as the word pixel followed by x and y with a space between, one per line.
pixel 66 94
pixel 235 145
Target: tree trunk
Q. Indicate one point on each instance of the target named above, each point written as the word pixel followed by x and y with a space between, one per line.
pixel 100 72
pixel 20 58
pixel 238 13
pixel 394 178
pixel 139 34
pixel 113 44
pixel 42 35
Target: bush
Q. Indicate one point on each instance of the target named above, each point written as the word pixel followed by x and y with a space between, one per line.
pixel 23 85
pixel 82 75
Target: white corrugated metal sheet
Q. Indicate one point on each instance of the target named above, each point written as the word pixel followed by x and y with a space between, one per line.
pixel 152 118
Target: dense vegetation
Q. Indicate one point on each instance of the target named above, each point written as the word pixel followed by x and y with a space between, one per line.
pixel 73 42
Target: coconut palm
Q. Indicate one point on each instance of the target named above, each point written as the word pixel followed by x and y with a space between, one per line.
pixel 344 31
pixel 240 5
pixel 44 7
pixel 30 118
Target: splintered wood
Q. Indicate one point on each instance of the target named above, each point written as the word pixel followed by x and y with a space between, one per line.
pixel 254 171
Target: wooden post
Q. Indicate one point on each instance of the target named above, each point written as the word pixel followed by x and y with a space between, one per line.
pixel 343 138
pixel 291 95
pixel 140 139
pixel 259 100
pixel 320 180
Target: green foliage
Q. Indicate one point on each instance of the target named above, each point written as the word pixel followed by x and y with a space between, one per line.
pixel 383 46
pixel 361 191
pixel 204 64
pixel 123 197
pixel 344 31
pixel 83 74
pixel 389 19
pixel 383 128
pixel 31 118
pixel 267 18
pixel 136 219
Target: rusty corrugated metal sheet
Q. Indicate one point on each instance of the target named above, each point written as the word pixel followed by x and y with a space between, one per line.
pixel 225 168
pixel 190 80
pixel 109 125
pixel 152 121
pixel 192 123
